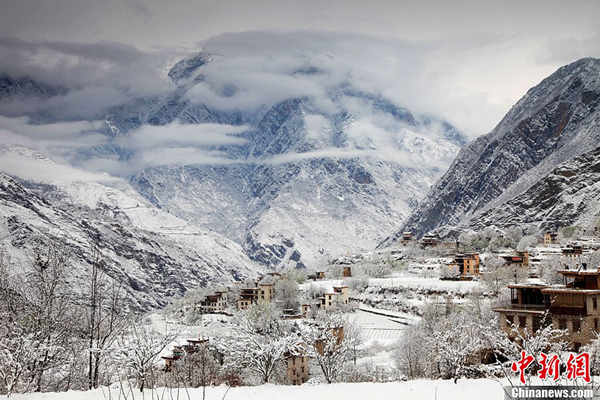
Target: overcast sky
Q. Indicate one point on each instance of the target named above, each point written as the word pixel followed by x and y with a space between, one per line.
pixel 466 61
pixel 492 51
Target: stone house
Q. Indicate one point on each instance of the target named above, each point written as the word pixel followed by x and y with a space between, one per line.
pixel 214 302
pixel 572 306
pixel 339 296
pixel 550 238
pixel 466 264
pixel 520 259
pixel 407 238
pixel 296 368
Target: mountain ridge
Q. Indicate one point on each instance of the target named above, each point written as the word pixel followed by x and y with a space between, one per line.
pixel 554 122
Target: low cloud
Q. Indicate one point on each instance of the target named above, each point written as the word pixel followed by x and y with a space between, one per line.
pixel 180 135
pixel 252 71
pixel 95 76
pixel 34 166
pixel 173 144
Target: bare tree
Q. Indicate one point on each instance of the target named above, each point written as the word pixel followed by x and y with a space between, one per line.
pixel 47 308
pixel 103 314
pixel 287 294
pixel 259 341
pixel 496 275
pixel 409 356
pixel 197 368
pixel 329 345
pixel 137 349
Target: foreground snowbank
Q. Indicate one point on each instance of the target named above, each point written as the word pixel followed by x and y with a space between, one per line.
pixel 421 389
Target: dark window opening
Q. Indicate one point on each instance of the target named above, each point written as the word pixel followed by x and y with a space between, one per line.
pixel 523 321
pixel 562 324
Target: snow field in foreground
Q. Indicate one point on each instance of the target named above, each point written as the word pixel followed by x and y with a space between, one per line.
pixel 421 389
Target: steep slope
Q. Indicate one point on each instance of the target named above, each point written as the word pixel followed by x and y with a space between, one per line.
pixel 298 158
pixel 155 255
pixel 27 87
pixel 569 195
pixel 554 122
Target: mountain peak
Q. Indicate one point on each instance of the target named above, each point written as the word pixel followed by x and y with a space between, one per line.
pixel 186 67
pixel 553 123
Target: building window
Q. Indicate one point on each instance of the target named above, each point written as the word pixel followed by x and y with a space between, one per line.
pixel 576 325
pixel 562 324
pixel 594 303
pixel 510 320
pixel 596 324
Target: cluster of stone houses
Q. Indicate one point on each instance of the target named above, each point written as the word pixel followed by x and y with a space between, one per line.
pixel 468 264
pixel 426 241
pixel 260 290
pixel 296 363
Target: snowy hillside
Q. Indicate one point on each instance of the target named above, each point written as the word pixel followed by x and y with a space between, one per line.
pixel 569 195
pixel 552 124
pixel 155 255
pixel 302 177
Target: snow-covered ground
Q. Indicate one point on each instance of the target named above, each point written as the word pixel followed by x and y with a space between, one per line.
pixel 419 389
pixel 415 282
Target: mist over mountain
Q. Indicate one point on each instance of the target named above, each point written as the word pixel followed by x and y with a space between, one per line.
pixel 298 150
pixel 293 146
pixel 297 176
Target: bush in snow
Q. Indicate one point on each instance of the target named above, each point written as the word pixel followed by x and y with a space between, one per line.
pixel 287 294
pixel 259 341
pixel 547 270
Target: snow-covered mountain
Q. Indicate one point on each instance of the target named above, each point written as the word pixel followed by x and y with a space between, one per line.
pixel 538 165
pixel 569 195
pixel 155 255
pixel 309 182
pixel 289 151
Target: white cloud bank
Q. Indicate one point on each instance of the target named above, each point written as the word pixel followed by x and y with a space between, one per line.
pixel 446 77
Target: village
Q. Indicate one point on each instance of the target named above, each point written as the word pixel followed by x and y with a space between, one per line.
pixel 377 298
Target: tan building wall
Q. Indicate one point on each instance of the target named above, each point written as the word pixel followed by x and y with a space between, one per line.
pixel 266 292
pixel 297 369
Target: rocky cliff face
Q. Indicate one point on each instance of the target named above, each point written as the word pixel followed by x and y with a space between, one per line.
pixel 555 122
pixel 321 165
pixel 154 255
pixel 296 195
pixel 569 195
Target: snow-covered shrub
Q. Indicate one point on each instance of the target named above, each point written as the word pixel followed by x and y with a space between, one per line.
pixel 356 284
pixel 547 270
pixel 287 294
pixel 527 241
pixel 259 342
